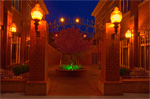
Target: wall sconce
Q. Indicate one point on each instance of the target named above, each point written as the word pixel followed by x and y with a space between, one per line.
pixel 13 29
pixel 128 34
pixel 28 41
pixel 116 17
pixel 37 14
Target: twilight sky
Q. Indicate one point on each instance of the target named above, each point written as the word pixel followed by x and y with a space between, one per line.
pixel 70 8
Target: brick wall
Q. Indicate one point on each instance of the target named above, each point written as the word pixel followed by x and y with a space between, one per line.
pixel 143 15
pixel 53 56
pixel 86 57
pixel 135 85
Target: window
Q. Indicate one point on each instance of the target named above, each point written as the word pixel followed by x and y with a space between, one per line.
pixel 28 11
pixel 12 2
pixel 122 6
pixel 124 50
pixel 144 49
pixel 15 50
pixel 14 47
pixel 125 6
pixel 17 4
pixel 95 42
pixel 128 5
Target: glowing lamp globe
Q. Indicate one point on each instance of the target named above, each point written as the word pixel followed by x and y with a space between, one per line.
pixel 37 12
pixel 84 36
pixel 77 20
pixel 13 28
pixel 62 19
pixel 128 34
pixel 116 16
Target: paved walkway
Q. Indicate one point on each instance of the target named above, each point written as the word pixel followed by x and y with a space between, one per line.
pixel 75 86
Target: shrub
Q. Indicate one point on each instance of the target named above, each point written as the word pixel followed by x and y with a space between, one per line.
pixel 21 69
pixel 124 71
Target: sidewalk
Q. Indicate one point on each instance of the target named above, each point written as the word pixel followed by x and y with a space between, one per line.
pixel 125 96
pixel 74 86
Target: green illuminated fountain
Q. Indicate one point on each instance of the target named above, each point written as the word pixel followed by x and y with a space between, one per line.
pixel 71 67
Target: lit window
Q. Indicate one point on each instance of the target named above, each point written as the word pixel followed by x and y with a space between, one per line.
pixel 144 49
pixel 124 50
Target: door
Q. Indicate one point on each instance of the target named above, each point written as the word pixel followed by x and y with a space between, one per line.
pixel 94 58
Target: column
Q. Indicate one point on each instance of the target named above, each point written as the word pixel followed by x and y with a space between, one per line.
pixel 109 83
pixel 38 83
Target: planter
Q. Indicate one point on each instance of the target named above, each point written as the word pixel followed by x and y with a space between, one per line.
pixel 71 73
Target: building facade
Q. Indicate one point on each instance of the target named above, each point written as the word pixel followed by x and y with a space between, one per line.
pixel 15 47
pixel 134 51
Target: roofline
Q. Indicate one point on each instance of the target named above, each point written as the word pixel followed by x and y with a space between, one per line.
pixel 44 7
pixel 98 7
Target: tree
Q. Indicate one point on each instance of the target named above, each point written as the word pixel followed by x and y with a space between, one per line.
pixel 71 42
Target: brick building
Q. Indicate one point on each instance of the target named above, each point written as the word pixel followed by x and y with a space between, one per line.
pixel 15 46
pixel 134 52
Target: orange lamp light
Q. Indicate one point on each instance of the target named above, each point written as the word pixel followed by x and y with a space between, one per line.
pixel 62 19
pixel 37 12
pixel 77 20
pixel 84 36
pixel 116 16
pixel 37 15
pixel 128 34
pixel 56 35
pixel 13 28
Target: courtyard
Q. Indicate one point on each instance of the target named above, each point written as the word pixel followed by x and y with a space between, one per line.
pixel 56 49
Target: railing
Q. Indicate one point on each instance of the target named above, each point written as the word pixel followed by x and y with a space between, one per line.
pixel 85 26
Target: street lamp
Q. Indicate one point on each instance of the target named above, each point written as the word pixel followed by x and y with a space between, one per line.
pixel 62 20
pixel 116 17
pixel 84 35
pixel 77 20
pixel 37 15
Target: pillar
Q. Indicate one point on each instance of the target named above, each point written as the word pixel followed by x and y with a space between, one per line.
pixel 38 83
pixel 109 83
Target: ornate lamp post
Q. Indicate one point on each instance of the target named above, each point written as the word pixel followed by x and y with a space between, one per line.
pixel 37 14
pixel 116 17
pixel 77 21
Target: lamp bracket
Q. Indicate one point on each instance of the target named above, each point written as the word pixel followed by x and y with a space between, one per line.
pixel 116 27
pixel 36 27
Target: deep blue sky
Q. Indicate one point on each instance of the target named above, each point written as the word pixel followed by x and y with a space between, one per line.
pixel 70 8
